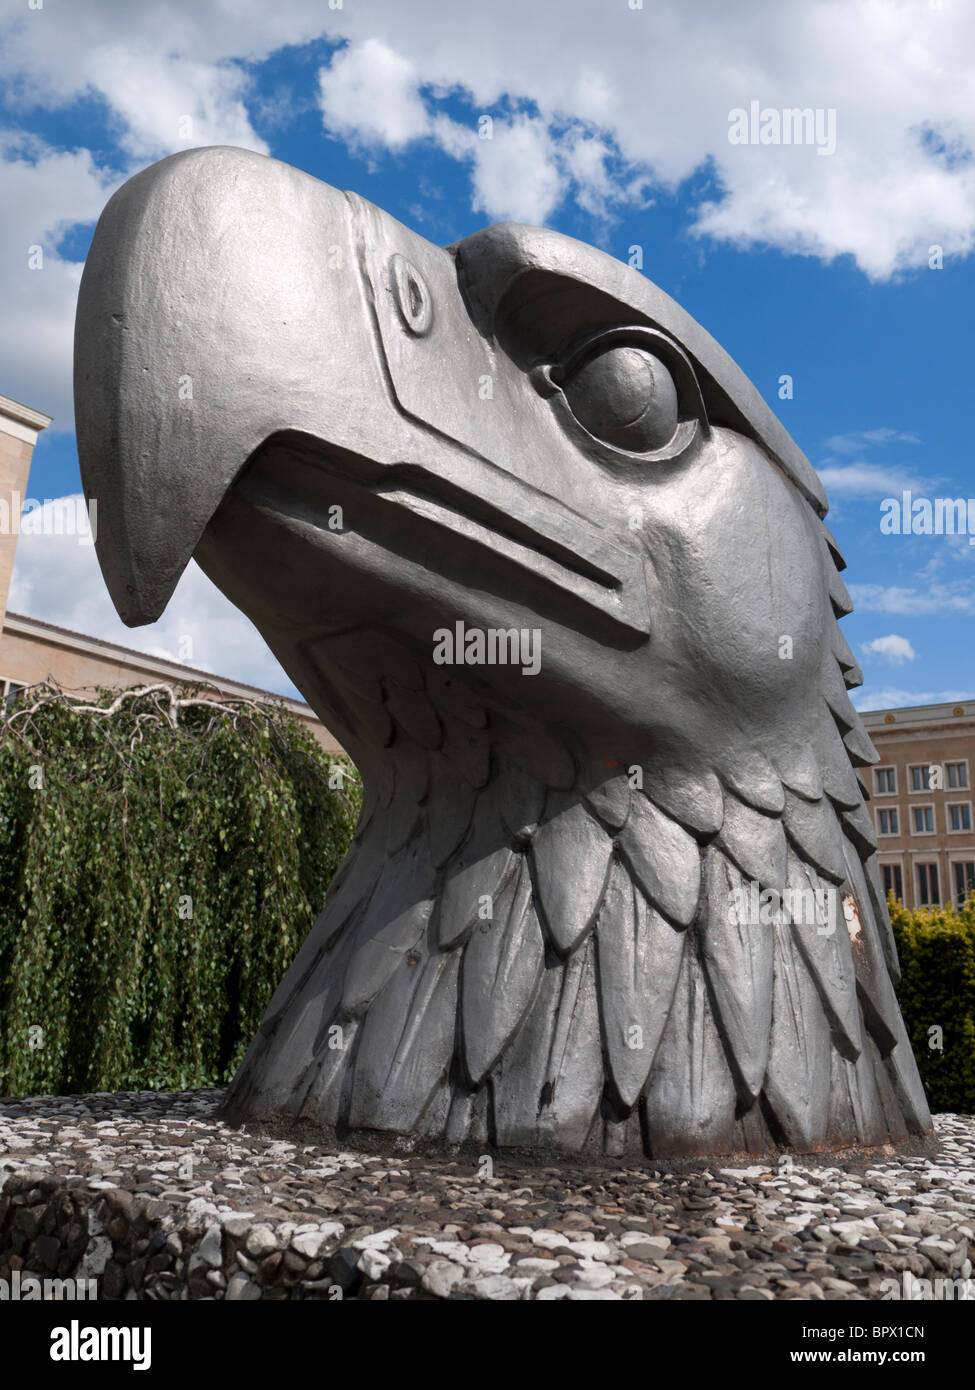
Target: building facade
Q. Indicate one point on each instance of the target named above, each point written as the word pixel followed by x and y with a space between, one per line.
pixel 922 802
pixel 32 651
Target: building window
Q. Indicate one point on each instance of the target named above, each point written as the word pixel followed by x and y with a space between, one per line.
pixel 887 821
pixel 921 777
pixel 893 880
pixel 922 820
pixel 959 816
pixel 9 690
pixel 956 775
pixel 928 889
pixel 885 781
pixel 964 882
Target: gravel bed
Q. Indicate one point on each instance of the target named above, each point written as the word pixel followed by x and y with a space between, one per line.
pixel 152 1196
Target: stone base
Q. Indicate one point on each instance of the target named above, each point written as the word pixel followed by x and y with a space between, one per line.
pixel 151 1195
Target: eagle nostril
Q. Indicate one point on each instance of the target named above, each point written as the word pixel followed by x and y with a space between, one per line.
pixel 412 296
pixel 625 396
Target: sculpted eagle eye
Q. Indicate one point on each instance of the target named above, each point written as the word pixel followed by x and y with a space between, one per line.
pixel 624 395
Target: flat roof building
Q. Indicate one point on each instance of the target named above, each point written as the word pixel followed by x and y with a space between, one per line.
pixel 921 801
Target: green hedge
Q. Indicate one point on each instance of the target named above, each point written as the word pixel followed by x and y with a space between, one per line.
pixel 937 991
pixel 162 856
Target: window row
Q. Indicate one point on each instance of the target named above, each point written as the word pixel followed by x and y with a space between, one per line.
pixel 922 820
pixel 928 885
pixel 923 777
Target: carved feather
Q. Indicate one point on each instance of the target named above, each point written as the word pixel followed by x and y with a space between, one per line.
pixel 664 859
pixel 799 770
pixel 813 829
pixel 574 1084
pixel 825 948
pixel 691 1101
pixel 839 778
pixel 691 796
pixel 571 853
pixel 449 815
pixel 468 749
pixel 413 713
pixel 751 777
pixel 755 842
pixel 559 1038
pixel 797 1085
pixel 404 900
pixel 503 962
pixel 406 1044
pixel 736 952
pixel 476 876
pixel 610 800
pixel 521 799
pixel 639 956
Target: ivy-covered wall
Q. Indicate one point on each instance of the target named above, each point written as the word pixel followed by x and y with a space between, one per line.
pixel 162 857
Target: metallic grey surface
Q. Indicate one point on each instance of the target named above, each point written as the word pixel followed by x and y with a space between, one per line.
pixel 532 941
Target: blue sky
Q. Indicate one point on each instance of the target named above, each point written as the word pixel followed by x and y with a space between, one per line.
pixel 610 123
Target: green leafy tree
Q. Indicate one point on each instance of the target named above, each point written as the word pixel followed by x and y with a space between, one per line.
pixel 163 853
pixel 937 998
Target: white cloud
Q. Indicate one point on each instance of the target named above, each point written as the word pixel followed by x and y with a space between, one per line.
pixel 949 552
pixel 586 157
pixel 892 697
pixel 657 85
pixel 869 480
pixel 155 62
pixel 652 87
pixel 516 174
pixel 856 440
pixel 936 599
pixel 895 649
pixel 42 193
pixel 369 96
pixel 57 579
pixel 183 104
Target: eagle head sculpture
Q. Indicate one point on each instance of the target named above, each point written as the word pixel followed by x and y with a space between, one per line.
pixel 540 556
